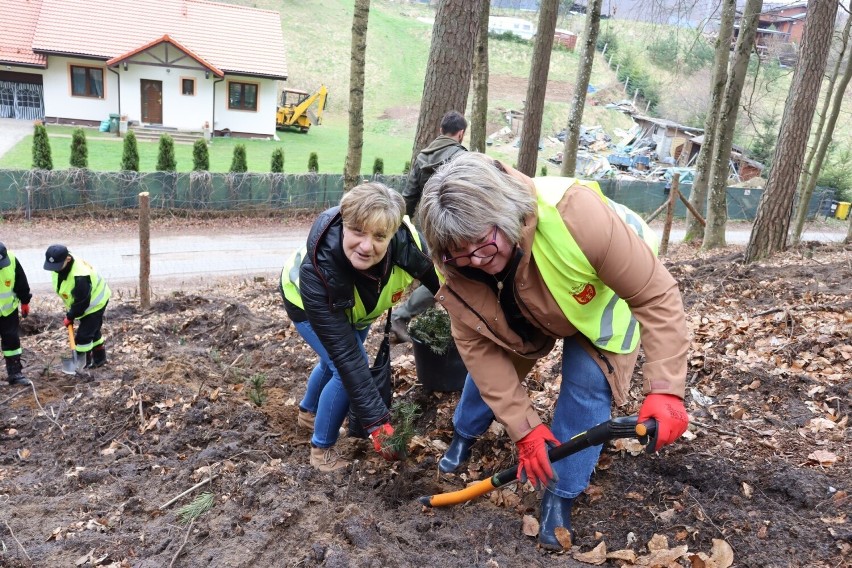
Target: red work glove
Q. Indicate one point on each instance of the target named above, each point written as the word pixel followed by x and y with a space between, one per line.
pixel 66 322
pixel 25 310
pixel 671 416
pixel 380 436
pixel 533 463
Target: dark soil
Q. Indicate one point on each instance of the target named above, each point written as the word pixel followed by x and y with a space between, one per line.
pixel 88 466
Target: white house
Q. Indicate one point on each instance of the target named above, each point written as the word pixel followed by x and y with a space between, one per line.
pixel 518 26
pixel 175 63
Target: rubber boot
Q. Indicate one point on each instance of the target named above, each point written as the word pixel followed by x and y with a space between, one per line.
pixel 99 357
pixel 456 454
pixel 555 512
pixel 306 419
pixel 327 459
pixel 399 332
pixel 14 370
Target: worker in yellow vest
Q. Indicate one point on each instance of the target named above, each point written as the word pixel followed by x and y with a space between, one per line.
pixel 528 262
pixel 85 294
pixel 14 293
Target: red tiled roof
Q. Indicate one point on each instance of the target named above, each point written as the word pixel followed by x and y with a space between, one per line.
pixel 158 41
pixel 235 39
pixel 17 26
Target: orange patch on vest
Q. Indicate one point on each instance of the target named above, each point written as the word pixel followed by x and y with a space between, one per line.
pixel 8 283
pixel 397 296
pixel 586 295
pixel 65 296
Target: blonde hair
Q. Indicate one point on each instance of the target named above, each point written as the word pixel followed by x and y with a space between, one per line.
pixel 372 205
pixel 466 198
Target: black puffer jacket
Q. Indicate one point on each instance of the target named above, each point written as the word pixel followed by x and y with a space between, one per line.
pixel 327 282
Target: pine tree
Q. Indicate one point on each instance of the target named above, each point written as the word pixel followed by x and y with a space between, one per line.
pixel 378 166
pixel 130 155
pixel 166 157
pixel 277 166
pixel 42 159
pixel 200 156
pixel 238 162
pixel 79 150
pixel 313 163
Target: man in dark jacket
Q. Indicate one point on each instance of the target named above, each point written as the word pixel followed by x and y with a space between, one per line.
pixel 14 292
pixel 442 149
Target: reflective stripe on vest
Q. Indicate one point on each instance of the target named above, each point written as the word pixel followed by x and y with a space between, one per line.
pixel 591 306
pixel 357 315
pixel 99 295
pixel 8 300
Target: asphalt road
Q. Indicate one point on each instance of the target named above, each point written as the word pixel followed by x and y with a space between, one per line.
pixel 182 261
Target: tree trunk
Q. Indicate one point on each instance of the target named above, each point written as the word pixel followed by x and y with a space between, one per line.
pixel 698 195
pixel 537 87
pixel 717 205
pixel 810 171
pixel 352 169
pixel 479 105
pixel 584 72
pixel 448 70
pixel 769 234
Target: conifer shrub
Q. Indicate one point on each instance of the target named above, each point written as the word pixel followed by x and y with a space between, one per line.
pixel 200 156
pixel 313 163
pixel 42 159
pixel 130 153
pixel 238 161
pixel 79 150
pixel 166 161
pixel 378 166
pixel 277 165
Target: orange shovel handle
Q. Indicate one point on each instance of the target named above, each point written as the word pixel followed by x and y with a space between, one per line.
pixel 71 337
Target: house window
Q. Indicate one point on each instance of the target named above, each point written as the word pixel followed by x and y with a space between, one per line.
pixel 242 96
pixel 87 82
pixel 187 86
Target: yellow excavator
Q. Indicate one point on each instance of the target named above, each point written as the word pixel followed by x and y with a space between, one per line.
pixel 294 110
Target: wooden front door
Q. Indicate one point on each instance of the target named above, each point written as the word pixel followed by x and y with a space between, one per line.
pixel 152 101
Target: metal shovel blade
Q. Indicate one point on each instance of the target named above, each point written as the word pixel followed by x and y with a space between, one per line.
pixel 70 365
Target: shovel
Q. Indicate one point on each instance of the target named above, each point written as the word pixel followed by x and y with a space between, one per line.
pixel 70 365
pixel 622 427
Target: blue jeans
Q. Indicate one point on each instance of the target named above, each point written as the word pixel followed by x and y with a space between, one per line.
pixel 325 395
pixel 584 401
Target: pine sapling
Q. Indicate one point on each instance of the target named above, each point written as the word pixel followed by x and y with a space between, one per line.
pixel 403 416
pixel 239 163
pixel 378 166
pixel 166 161
pixel 313 163
pixel 130 153
pixel 200 156
pixel 196 508
pixel 42 159
pixel 277 165
pixel 79 151
pixel 256 393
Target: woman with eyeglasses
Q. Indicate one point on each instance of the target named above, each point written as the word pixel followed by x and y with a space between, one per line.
pixel 527 262
pixel 359 259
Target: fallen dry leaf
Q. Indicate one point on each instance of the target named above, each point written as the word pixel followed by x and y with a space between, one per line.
pixel 623 554
pixel 595 556
pixel 530 525
pixel 823 457
pixel 658 542
pixel 563 537
pixel 721 554
pixel 662 557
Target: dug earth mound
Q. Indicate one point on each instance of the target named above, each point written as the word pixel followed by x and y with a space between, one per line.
pixel 200 397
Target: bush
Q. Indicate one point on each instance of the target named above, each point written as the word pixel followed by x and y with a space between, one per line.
pixel 663 51
pixel 313 163
pixel 378 166
pixel 277 165
pixel 42 159
pixel 432 327
pixel 166 161
pixel 79 151
pixel 200 156
pixel 130 155
pixel 406 167
pixel 543 172
pixel 837 171
pixel 239 164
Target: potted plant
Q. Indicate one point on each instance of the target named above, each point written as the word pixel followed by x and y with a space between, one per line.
pixel 438 363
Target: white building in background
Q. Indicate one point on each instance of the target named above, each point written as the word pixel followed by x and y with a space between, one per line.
pixel 518 26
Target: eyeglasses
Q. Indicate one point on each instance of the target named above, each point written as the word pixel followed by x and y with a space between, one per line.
pixel 486 251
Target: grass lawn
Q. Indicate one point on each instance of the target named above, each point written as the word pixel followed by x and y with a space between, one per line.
pixel 327 140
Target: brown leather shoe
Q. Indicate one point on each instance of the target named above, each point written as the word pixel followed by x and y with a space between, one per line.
pixel 327 459
pixel 305 420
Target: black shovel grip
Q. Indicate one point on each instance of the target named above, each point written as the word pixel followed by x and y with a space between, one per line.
pixel 621 427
